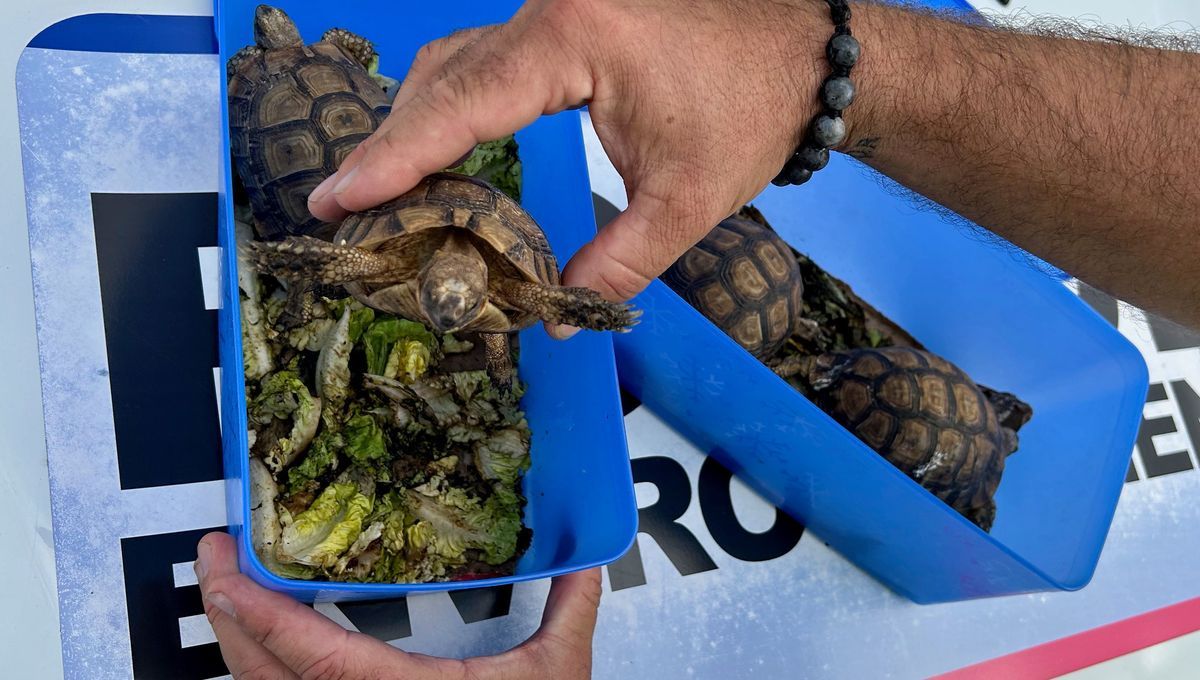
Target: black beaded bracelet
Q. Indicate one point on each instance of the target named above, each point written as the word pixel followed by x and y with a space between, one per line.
pixel 837 92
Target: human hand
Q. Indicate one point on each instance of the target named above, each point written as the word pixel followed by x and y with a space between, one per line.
pixel 697 104
pixel 266 635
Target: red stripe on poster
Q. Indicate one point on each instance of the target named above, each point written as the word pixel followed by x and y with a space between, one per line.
pixel 1088 648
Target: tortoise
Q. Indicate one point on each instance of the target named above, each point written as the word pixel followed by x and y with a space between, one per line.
pixel 295 112
pixel 454 253
pixel 744 279
pixel 925 416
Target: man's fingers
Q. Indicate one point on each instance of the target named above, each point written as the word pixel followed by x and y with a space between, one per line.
pixel 570 614
pixel 485 95
pixel 244 656
pixel 429 61
pixel 434 56
pixel 302 639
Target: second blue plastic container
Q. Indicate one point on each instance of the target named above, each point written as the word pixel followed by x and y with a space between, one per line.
pixel 581 505
pixel 977 303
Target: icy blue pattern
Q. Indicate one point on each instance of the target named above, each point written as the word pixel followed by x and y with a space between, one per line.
pixel 149 123
pixel 95 122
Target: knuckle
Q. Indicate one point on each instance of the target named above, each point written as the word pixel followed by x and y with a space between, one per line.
pixel 266 670
pixel 427 54
pixel 623 280
pixel 447 94
pixel 211 611
pixel 270 632
pixel 329 666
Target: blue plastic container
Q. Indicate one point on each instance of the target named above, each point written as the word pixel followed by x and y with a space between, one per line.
pixel 984 307
pixel 580 491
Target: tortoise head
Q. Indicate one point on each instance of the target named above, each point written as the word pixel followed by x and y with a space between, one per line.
pixel 274 29
pixel 452 286
pixel 1010 410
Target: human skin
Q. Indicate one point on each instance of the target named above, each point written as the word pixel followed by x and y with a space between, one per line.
pixel 269 636
pixel 1078 151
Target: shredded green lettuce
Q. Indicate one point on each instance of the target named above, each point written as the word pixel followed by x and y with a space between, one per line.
pixel 496 163
pixel 364 439
pixel 383 334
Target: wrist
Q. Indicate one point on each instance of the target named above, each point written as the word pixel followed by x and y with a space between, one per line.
pixel 905 93
pixel 826 130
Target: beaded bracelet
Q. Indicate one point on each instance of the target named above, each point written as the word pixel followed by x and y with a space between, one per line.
pixel 837 92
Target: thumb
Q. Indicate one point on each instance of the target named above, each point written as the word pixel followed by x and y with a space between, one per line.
pixel 571 608
pixel 562 647
pixel 637 246
pixel 632 250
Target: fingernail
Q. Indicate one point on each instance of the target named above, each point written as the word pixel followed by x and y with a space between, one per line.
pixel 220 601
pixel 322 189
pixel 200 566
pixel 346 181
pixel 562 331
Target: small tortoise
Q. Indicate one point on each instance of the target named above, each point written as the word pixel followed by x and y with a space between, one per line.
pixel 454 253
pixel 745 279
pixel 295 113
pixel 925 416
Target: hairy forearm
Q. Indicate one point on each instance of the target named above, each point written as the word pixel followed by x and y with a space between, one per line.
pixel 1081 152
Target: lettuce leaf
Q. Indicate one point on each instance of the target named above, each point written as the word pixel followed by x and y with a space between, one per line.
pixel 318 536
pixel 364 439
pixel 496 163
pixel 383 334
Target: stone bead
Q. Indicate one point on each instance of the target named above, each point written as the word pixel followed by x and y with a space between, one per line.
pixel 838 93
pixel 811 158
pixel 794 174
pixel 828 132
pixel 843 51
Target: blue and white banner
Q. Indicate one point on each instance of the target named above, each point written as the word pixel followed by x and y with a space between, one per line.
pixel 121 153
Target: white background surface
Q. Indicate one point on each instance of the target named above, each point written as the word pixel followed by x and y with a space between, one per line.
pixel 29 638
pixel 29 634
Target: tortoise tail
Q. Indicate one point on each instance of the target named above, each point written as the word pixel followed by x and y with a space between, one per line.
pixel 303 258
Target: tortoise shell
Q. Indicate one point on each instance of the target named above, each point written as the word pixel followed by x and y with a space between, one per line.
pixel 295 113
pixel 746 280
pixel 414 226
pixel 925 416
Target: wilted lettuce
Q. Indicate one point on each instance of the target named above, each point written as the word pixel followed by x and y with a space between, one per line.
pixel 503 456
pixel 383 335
pixel 364 439
pixel 390 470
pixel 360 316
pixel 457 522
pixel 333 369
pixel 256 351
pixel 318 536
pixel 498 164
pixel 321 457
pixel 283 396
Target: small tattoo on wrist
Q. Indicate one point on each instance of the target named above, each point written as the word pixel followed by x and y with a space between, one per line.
pixel 864 148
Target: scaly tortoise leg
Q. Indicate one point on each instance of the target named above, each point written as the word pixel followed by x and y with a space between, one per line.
pixel 305 258
pixel 298 309
pixel 579 307
pixel 235 62
pixel 792 365
pixel 358 47
pixel 499 360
